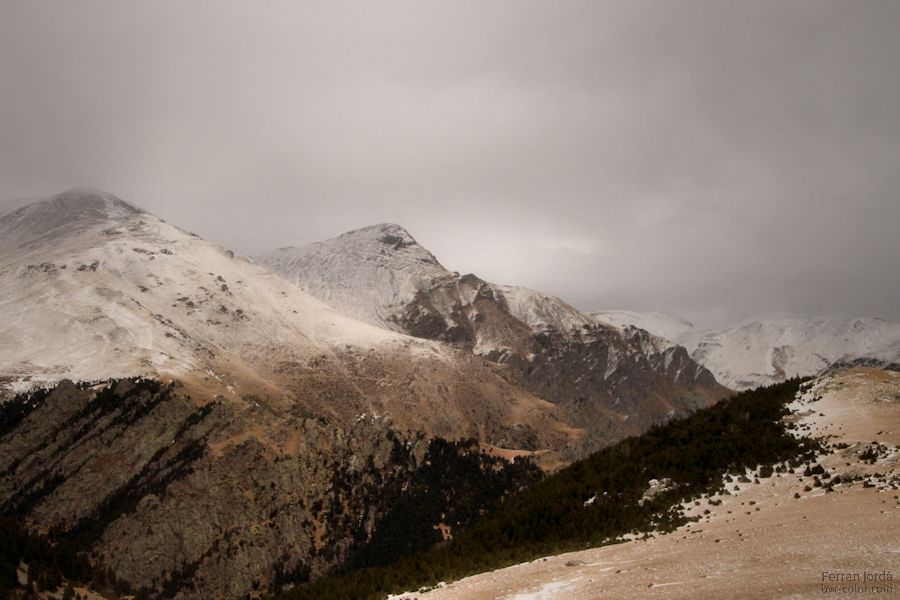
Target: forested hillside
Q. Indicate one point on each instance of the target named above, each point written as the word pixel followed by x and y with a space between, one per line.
pixel 597 500
pixel 117 471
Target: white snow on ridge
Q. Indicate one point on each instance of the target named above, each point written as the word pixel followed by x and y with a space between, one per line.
pixel 369 272
pixel 657 323
pixel 769 351
pixel 359 273
pixel 541 311
pixel 95 288
pixel 382 276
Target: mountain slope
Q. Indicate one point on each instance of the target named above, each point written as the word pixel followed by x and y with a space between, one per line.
pixel 769 351
pixel 609 382
pixel 841 509
pixel 96 288
pixel 223 500
pixel 262 445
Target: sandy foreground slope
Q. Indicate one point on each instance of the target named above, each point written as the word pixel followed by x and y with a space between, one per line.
pixel 761 541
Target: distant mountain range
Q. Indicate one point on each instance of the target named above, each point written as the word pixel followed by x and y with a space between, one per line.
pixel 767 352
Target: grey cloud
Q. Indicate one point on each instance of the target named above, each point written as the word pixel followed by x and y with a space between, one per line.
pixel 713 160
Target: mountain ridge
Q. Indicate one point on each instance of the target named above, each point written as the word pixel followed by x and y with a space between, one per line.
pixel 205 428
pixel 120 293
pixel 769 351
pixel 610 382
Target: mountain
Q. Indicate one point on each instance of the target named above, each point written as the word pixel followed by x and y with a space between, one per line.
pixel 777 523
pixel 770 351
pixel 204 428
pixel 225 500
pixel 609 382
pixel 95 288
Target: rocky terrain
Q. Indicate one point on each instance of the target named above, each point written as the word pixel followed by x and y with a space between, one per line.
pixel 789 536
pixel 608 381
pixel 194 499
pixel 203 427
pixel 767 352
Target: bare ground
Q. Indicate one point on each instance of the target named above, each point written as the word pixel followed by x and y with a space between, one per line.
pixel 761 541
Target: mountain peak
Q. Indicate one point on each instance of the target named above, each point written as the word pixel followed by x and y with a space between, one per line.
pixel 76 204
pixel 90 202
pixel 388 234
pixel 383 262
pixel 77 209
pixel 387 244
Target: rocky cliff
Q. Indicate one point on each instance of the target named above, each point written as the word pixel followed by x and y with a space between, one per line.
pixel 218 499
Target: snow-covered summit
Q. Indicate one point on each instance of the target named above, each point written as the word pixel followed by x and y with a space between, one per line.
pixel 71 207
pixel 37 224
pixel 95 287
pixel 375 272
pixel 608 380
pixel 93 284
pixel 361 273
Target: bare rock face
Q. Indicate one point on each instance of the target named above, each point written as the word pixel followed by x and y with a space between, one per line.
pixel 213 500
pixel 607 382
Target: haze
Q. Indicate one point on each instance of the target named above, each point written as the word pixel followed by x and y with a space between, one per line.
pixel 720 161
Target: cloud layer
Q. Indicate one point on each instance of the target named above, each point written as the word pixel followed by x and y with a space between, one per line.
pixel 718 161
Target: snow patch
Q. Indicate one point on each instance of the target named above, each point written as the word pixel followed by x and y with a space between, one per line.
pixel 549 591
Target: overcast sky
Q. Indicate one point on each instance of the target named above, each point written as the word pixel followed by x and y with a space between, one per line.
pixel 719 161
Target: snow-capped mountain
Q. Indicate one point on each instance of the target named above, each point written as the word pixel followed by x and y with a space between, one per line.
pixel 769 351
pixel 609 381
pixel 657 323
pixel 381 275
pixel 268 420
pixel 94 288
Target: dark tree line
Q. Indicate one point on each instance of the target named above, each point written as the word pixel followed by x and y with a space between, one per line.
pixel 47 564
pixel 455 486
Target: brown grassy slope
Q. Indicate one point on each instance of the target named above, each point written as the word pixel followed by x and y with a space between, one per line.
pixel 761 541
